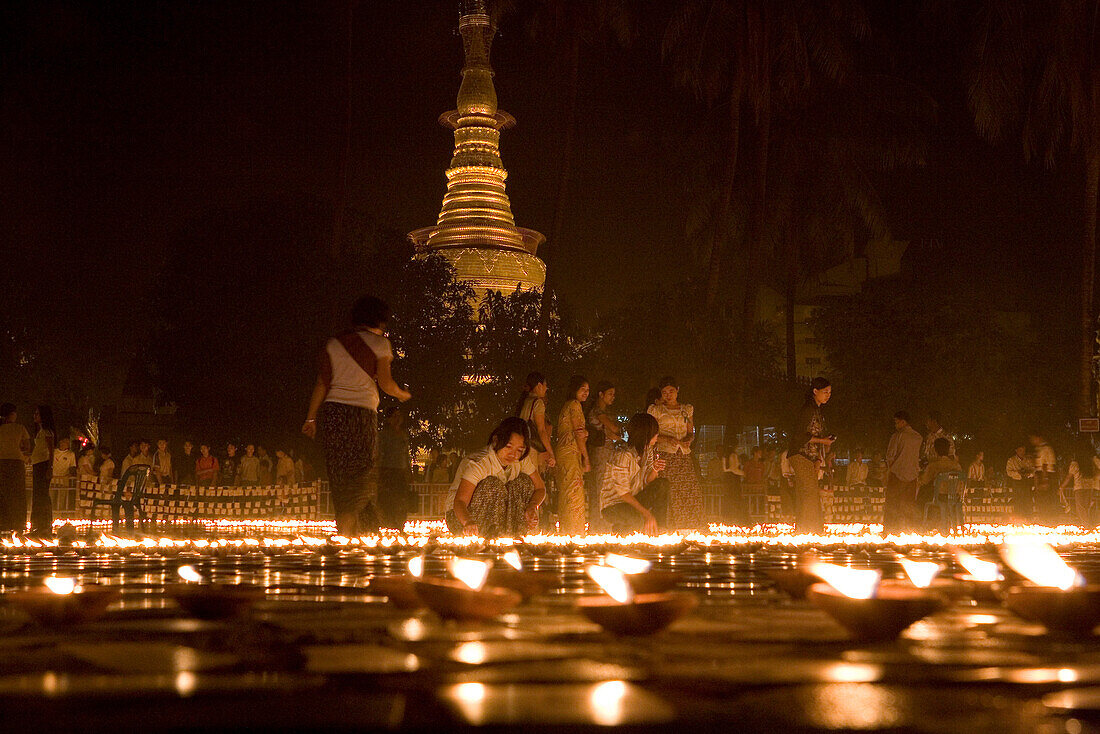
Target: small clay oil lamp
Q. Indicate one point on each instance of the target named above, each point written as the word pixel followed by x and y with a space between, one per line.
pixel 1054 594
pixel 204 599
pixel 640 576
pixel 398 588
pixel 622 611
pixel 868 609
pixel 526 583
pixel 468 597
pixel 983 580
pixel 62 601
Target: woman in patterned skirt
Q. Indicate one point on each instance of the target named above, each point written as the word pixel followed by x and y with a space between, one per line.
pixel 497 490
pixel 343 408
pixel 572 456
pixel 603 432
pixel 677 432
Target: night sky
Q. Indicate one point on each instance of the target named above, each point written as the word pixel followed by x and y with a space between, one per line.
pixel 126 119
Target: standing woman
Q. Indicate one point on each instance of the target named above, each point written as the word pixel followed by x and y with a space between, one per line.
pixel 351 369
pixel 603 430
pixel 15 444
pixel 45 439
pixel 532 408
pixel 1083 476
pixel 809 445
pixel 676 421
pixel 572 457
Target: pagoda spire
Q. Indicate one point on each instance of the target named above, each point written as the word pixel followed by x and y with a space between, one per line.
pixel 475 229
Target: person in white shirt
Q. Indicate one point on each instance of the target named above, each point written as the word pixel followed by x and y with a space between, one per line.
pixel 64 460
pixel 162 463
pixel 85 465
pixel 352 368
pixel 632 495
pixel 1046 496
pixel 733 474
pixel 106 465
pixel 497 490
pixel 935 431
pixel 1083 476
pixel 857 470
pixel 903 469
pixel 975 473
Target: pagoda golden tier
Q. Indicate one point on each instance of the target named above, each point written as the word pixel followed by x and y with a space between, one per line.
pixel 475 230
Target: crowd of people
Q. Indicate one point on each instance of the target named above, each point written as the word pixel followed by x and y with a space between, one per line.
pixel 52 457
pixel 643 475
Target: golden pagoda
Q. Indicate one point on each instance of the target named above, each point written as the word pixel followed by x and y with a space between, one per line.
pixel 475 230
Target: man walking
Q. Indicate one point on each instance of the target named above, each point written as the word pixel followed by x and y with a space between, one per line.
pixel 902 470
pixel 1046 486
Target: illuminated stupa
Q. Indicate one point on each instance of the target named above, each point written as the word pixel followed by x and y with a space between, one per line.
pixel 475 230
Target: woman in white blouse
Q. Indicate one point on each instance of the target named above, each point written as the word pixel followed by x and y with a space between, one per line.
pixel 632 495
pixel 676 422
pixel 1083 475
pixel 497 490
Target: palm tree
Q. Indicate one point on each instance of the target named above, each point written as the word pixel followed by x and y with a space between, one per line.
pixel 826 155
pixel 750 58
pixel 1036 75
pixel 570 27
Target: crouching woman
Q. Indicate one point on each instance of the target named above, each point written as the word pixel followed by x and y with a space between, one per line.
pixel 632 496
pixel 497 490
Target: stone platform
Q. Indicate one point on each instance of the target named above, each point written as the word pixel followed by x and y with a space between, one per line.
pixel 320 652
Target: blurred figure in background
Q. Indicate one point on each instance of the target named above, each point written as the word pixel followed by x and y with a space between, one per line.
pixel 15 447
pixel 394 469
pixel 975 473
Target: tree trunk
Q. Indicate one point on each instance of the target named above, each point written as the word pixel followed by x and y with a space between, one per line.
pixel 569 118
pixel 1085 404
pixel 340 212
pixel 791 282
pixel 755 237
pixel 721 213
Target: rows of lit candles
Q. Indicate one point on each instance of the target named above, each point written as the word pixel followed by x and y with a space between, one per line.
pixel 637 599
pixel 1035 583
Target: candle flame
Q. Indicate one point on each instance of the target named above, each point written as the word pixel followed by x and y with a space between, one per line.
pixel 1039 563
pixel 854 583
pixel 981 570
pixel 469 571
pixel 62 585
pixel 613 582
pixel 627 564
pixel 921 573
pixel 416 566
pixel 188 573
pixel 512 559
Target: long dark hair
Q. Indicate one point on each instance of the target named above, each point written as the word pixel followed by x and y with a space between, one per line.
pixel 820 383
pixel 1084 455
pixel 45 418
pixel 534 379
pixel 640 430
pixel 498 439
pixel 576 382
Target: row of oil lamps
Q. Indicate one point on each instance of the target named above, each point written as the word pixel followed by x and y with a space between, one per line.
pixel 640 600
pixel 293 535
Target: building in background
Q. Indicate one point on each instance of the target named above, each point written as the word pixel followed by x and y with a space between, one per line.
pixel 881 259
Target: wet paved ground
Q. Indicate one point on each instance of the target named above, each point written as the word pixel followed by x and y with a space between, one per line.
pixel 321 652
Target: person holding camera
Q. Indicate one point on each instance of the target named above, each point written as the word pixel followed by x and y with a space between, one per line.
pixel 809 447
